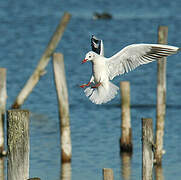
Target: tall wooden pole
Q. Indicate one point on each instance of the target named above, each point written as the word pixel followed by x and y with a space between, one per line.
pixel 161 96
pixel 147 149
pixel 18 144
pixel 3 97
pixel 40 69
pixel 62 94
pixel 126 132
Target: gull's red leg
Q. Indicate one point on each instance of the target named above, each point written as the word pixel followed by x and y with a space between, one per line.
pixel 83 85
pixel 96 86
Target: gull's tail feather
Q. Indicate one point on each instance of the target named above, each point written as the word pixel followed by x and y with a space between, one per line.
pixel 104 93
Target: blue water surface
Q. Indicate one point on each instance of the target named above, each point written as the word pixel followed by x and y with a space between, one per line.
pixel 26 28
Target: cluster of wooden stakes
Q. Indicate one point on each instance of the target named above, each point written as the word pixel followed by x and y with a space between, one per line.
pixel 18 145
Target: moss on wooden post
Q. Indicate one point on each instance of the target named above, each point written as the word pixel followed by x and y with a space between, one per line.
pixel 18 144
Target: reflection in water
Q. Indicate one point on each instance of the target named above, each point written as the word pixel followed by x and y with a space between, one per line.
pixel 1 168
pixel 159 173
pixel 66 171
pixel 126 165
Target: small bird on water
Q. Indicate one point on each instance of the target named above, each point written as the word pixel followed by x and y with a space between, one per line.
pixel 105 69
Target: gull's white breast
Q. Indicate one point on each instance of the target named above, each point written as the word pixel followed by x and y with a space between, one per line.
pixel 100 70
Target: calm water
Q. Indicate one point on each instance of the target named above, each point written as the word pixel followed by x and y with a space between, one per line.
pixel 25 29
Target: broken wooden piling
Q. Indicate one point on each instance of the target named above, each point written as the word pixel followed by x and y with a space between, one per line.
pixel 62 95
pixel 18 144
pixel 40 69
pixel 161 96
pixel 147 148
pixel 126 131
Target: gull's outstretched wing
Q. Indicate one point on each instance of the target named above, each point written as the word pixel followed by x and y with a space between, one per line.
pixel 135 55
pixel 97 45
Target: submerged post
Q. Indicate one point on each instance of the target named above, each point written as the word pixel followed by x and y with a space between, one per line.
pixel 18 144
pixel 126 133
pixel 147 149
pixel 66 171
pixel 3 97
pixel 161 96
pixel 40 69
pixel 126 165
pixel 108 174
pixel 62 95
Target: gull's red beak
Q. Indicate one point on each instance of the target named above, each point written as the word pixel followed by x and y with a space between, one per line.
pixel 85 60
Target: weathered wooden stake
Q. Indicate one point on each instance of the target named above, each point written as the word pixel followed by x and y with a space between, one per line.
pixel 3 97
pixel 18 144
pixel 40 69
pixel 147 149
pixel 126 132
pixel 62 94
pixel 161 96
pixel 108 174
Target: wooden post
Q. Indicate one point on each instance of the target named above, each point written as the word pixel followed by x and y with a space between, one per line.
pixel 161 96
pixel 62 95
pixel 40 69
pixel 108 174
pixel 18 144
pixel 147 149
pixel 126 133
pixel 3 97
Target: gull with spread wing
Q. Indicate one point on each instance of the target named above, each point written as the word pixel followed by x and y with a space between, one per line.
pixel 105 69
pixel 97 47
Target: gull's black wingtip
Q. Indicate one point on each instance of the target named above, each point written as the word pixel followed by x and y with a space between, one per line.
pixel 179 49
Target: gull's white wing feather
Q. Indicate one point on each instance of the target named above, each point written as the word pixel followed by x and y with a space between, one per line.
pixel 135 55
